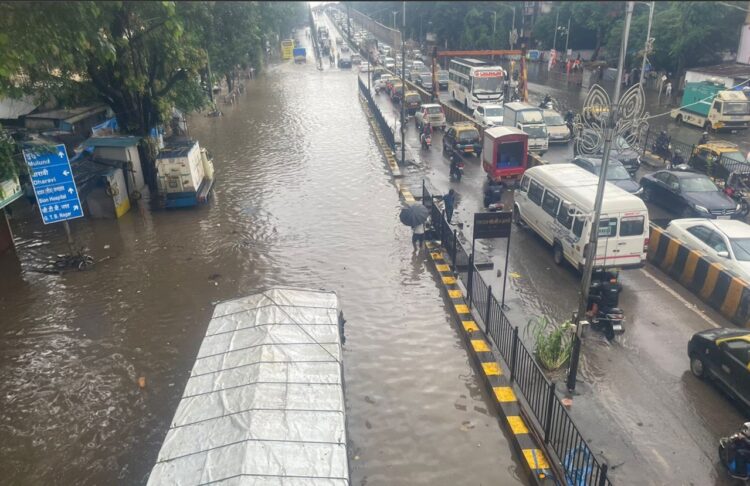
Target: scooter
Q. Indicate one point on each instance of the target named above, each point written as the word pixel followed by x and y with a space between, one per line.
pixel 546 103
pixel 609 322
pixel 728 456
pixel 740 198
pixel 426 141
pixel 662 148
pixel 457 170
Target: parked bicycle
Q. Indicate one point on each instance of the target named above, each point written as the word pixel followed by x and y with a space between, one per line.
pixel 79 260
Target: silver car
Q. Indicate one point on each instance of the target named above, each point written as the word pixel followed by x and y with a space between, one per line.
pixel 556 127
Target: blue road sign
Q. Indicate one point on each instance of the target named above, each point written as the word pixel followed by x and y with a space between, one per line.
pixel 54 186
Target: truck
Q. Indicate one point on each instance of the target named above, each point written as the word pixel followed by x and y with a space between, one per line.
pixel 300 55
pixel 529 119
pixel 712 107
pixel 184 174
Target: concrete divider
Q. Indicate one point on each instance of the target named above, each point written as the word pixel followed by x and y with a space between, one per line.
pixel 711 281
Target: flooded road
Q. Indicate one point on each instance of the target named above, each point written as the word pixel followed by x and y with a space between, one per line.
pixel 302 198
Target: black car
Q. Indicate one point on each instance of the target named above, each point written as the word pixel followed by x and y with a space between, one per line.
pixel 616 173
pixel 425 81
pixel 442 77
pixel 688 194
pixel 723 355
pixel 621 151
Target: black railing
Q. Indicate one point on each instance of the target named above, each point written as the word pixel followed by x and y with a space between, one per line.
pixel 551 420
pixel 385 129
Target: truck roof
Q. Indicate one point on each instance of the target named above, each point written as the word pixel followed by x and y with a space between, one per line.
pixel 519 106
pixel 497 132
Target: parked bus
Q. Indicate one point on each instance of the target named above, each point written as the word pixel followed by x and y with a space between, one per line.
pixel 472 82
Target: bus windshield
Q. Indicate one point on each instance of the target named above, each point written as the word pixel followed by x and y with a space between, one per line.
pixel 736 108
pixel 488 85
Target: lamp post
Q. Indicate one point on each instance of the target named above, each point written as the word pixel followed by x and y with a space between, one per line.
pixel 395 12
pixel 609 120
pixel 567 38
pixel 649 42
pixel 403 81
pixel 554 41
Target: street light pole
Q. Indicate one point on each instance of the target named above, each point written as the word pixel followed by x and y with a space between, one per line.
pixel 590 248
pixel 494 24
pixel 648 42
pixel 403 82
pixel 567 38
pixel 394 18
pixel 557 18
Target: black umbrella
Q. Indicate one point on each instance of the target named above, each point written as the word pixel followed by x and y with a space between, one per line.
pixel 414 215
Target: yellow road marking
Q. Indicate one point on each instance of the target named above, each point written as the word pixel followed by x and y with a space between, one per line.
pixel 517 425
pixel 449 280
pixel 455 294
pixel 536 459
pixel 480 345
pixel 492 369
pixel 504 394
pixel 443 268
pixel 470 326
pixel 460 308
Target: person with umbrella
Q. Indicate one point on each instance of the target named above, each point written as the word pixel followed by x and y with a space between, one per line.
pixel 415 216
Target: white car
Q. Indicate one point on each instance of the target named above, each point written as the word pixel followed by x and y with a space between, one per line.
pixel 364 67
pixel 556 127
pixel 381 83
pixel 722 240
pixel 489 115
pixel 389 63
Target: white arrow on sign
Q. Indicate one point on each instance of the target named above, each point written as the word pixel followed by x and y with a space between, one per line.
pixel 70 190
pixel 65 173
pixel 61 154
pixel 75 206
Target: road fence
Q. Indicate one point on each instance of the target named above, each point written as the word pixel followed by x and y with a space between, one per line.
pixel 549 417
pixel 375 110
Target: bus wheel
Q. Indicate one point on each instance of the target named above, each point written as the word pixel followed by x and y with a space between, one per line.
pixel 557 253
pixel 678 119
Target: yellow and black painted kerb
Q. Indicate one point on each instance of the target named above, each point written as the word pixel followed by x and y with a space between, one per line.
pixel 716 286
pixel 389 156
pixel 493 374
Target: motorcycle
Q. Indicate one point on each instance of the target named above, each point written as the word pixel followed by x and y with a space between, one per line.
pixel 457 170
pixel 728 456
pixel 662 148
pixel 426 141
pixel 546 103
pixel 609 318
pixel 609 322
pixel 740 198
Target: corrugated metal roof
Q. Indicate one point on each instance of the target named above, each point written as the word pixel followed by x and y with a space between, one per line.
pixel 264 403
pixel 71 115
pixel 12 109
pixel 732 69
pixel 128 141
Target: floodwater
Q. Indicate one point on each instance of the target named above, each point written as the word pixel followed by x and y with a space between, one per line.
pixel 302 198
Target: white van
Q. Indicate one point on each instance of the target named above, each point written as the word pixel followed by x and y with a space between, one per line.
pixel 557 202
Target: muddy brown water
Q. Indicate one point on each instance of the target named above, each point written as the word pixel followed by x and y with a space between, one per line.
pixel 302 198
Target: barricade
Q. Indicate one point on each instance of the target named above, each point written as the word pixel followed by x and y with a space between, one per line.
pixel 375 110
pixel 714 284
pixel 552 422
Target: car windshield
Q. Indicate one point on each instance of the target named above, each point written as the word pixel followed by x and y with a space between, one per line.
pixel 615 172
pixel 622 143
pixel 443 76
pixel 493 112
pixel 739 108
pixel 426 79
pixel 535 131
pixel 433 110
pixel 488 85
pixel 735 157
pixel 413 98
pixel 531 116
pixel 553 119
pixel 697 184
pixel 468 135
pixel 741 249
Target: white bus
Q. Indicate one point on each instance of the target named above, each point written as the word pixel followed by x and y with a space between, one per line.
pixel 557 202
pixel 472 82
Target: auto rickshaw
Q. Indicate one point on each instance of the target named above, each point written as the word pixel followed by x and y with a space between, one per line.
pixel 377 72
pixel 413 101
pixel 505 154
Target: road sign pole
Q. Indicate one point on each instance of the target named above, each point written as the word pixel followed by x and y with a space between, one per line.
pixel 505 273
pixel 68 234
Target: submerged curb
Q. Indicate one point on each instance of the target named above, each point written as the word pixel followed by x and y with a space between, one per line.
pixel 493 374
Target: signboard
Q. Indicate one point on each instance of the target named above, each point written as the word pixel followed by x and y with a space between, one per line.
pixel 54 186
pixel 743 50
pixel 493 225
pixel 10 190
pixel 431 37
pixel 287 47
pixel 488 74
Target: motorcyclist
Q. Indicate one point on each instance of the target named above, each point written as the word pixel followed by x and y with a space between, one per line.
pixel 662 144
pixel 604 293
pixel 546 101
pixel 740 452
pixel 426 132
pixel 677 159
pixel 569 118
pixel 704 138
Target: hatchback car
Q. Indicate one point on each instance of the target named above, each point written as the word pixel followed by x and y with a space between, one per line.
pixel 489 115
pixel 442 77
pixel 389 63
pixel 432 113
pixel 616 173
pixel 462 138
pixel 726 242
pixel 723 355
pixel 556 127
pixel 719 158
pixel 425 81
pixel 688 194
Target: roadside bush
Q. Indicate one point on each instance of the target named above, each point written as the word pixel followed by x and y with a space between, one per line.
pixel 552 342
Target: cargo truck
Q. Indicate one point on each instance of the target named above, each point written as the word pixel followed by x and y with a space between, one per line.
pixel 529 119
pixel 709 105
pixel 184 175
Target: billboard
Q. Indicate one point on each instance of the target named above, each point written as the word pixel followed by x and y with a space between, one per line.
pixel 743 51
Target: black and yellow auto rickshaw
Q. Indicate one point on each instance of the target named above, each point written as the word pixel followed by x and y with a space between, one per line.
pixel 412 101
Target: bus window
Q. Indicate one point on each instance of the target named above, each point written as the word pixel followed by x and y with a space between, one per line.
pixel 632 226
pixel 607 227
pixel 717 106
pixel 535 192
pixel 578 226
pixel 563 216
pixel 550 203
pixel 525 183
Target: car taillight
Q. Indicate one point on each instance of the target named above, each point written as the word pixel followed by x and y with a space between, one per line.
pixel 645 245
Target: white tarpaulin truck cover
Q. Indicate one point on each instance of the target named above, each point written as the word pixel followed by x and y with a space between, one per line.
pixel 264 404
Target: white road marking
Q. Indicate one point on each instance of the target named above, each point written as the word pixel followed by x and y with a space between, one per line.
pixel 677 296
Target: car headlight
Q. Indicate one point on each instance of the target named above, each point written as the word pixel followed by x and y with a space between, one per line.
pixel 738 207
pixel 700 208
pixel 639 191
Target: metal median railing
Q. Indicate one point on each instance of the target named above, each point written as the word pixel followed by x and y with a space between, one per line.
pixel 375 110
pixel 548 415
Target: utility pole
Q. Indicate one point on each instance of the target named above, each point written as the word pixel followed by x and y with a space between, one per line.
pixel 403 82
pixel 649 42
pixel 512 38
pixel 394 18
pixel 567 38
pixel 348 22
pixel 557 18
pixel 590 248
pixel 494 24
